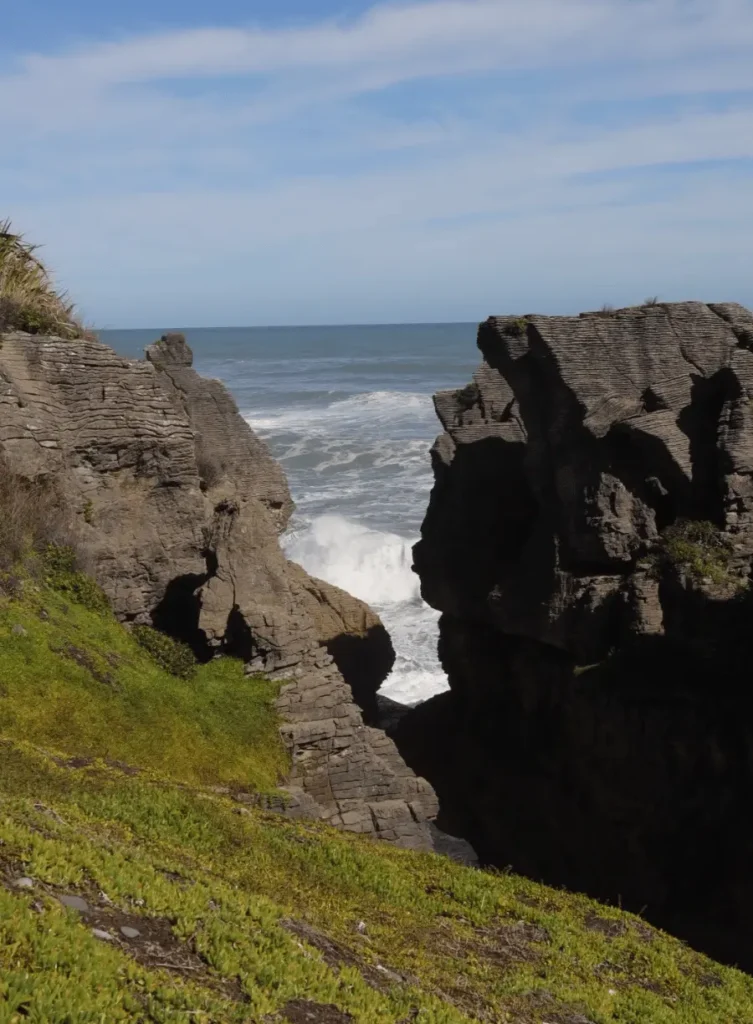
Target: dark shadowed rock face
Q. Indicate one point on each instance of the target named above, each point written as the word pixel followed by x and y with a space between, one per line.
pixel 589 542
pixel 179 507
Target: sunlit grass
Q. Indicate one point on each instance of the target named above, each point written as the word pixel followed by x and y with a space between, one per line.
pixel 29 300
pixel 109 776
pixel 73 679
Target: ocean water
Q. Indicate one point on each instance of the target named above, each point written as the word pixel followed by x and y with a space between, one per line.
pixel 348 413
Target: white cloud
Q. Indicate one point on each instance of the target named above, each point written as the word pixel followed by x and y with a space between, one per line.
pixel 271 185
pixel 514 33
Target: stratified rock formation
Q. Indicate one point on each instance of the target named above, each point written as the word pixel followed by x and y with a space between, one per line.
pixel 179 506
pixel 589 543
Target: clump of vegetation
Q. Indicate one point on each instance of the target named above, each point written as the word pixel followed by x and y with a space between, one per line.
pixel 36 539
pixel 32 516
pixel 29 300
pixel 210 470
pixel 172 655
pixel 61 573
pixel 652 300
pixel 695 547
pixel 517 328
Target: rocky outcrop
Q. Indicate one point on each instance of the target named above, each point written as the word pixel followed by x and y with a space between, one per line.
pixel 352 634
pixel 589 543
pixel 178 507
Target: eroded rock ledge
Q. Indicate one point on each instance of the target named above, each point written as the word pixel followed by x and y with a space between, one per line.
pixel 179 507
pixel 589 543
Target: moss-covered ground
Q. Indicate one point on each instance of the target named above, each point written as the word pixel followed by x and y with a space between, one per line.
pixel 112 789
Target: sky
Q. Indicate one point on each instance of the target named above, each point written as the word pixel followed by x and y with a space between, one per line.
pixel 315 161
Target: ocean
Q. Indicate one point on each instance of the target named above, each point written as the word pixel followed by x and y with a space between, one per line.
pixel 348 413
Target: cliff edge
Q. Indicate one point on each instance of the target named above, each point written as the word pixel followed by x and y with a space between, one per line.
pixel 589 543
pixel 178 508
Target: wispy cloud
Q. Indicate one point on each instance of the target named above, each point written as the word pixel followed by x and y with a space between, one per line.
pixel 413 129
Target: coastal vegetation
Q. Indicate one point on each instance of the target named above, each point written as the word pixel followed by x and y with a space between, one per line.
pixel 696 547
pixel 140 882
pixel 29 300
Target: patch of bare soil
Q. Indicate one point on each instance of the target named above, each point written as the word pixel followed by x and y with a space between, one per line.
pixel 148 940
pixel 87 762
pixel 336 956
pixel 85 660
pixel 542 1006
pixel 610 928
pixel 511 943
pixel 303 1011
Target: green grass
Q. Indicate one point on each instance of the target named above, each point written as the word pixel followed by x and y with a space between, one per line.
pixel 241 913
pixel 73 679
pixel 698 548
pixel 223 882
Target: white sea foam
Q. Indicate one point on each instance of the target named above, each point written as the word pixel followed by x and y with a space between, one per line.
pixel 360 413
pixel 369 564
pixel 375 566
pixel 357 467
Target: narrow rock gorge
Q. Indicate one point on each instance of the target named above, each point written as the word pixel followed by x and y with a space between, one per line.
pixel 177 508
pixel 589 543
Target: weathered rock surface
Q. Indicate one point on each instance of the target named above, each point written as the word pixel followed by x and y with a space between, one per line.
pixel 353 634
pixel 598 729
pixel 179 507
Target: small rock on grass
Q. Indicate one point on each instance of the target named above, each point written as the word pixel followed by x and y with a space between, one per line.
pixel 98 933
pixel 75 903
pixel 130 933
pixel 24 883
pixel 18 630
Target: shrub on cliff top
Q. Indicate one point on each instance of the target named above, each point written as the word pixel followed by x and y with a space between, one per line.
pixel 29 300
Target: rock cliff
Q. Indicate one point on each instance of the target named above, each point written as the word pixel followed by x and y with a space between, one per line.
pixel 178 507
pixel 589 543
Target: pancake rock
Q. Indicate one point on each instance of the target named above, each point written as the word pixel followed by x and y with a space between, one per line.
pixel 589 542
pixel 178 507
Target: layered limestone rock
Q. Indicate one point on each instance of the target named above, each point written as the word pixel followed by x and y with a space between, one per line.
pixel 178 507
pixel 589 542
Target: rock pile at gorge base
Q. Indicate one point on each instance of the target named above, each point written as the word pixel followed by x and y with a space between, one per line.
pixel 589 543
pixel 178 507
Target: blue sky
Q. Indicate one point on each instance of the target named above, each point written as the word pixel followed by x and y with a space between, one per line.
pixel 322 162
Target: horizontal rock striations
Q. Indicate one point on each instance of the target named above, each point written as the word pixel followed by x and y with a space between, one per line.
pixel 589 542
pixel 178 508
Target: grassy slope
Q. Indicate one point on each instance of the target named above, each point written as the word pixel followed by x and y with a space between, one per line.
pixel 76 681
pixel 242 913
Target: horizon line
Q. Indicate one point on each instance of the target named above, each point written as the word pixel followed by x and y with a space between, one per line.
pixel 288 327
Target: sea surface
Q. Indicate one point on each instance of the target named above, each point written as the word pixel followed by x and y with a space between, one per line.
pixel 348 413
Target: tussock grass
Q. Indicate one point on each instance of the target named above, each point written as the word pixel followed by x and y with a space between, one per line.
pixel 29 300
